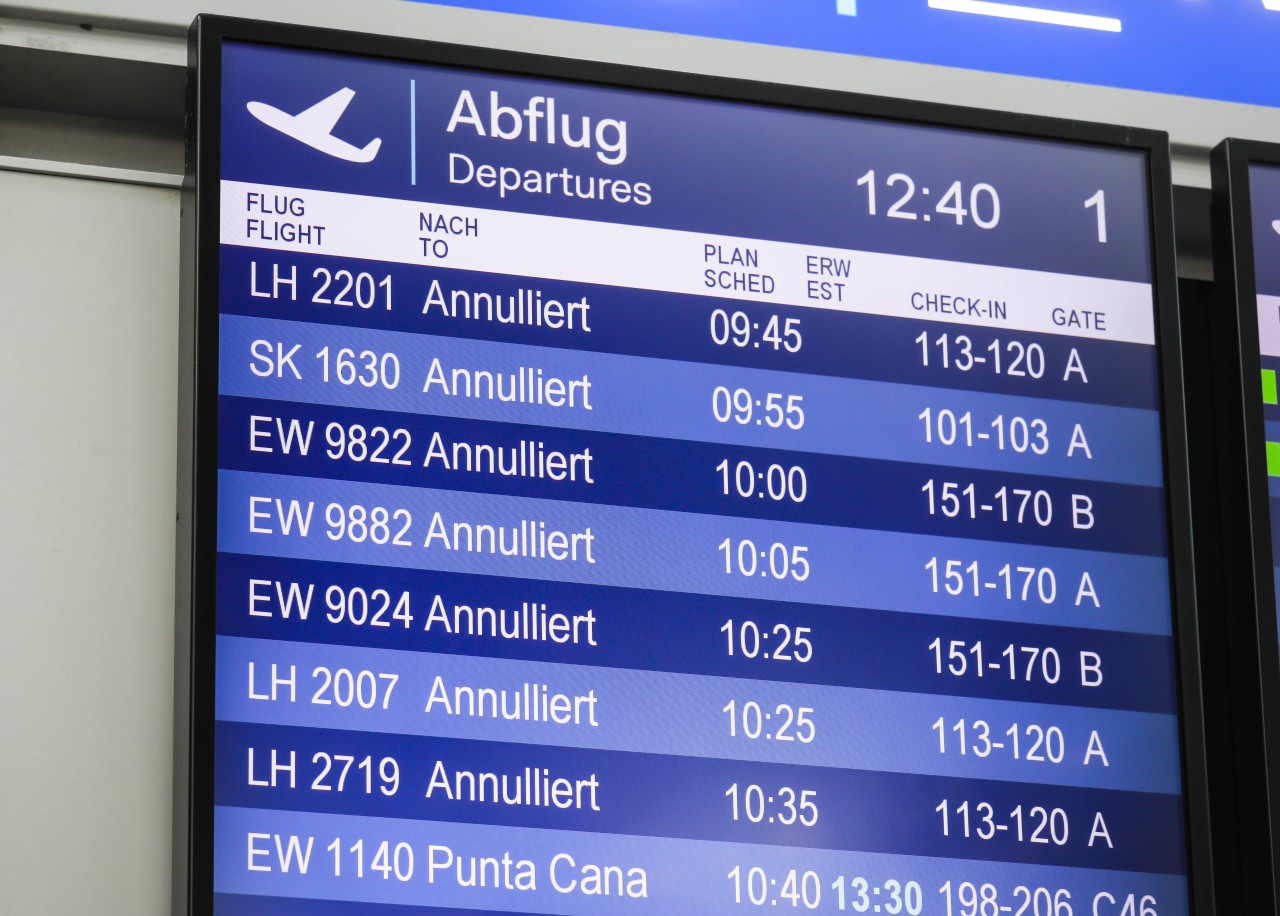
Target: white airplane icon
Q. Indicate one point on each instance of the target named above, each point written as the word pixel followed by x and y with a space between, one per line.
pixel 314 127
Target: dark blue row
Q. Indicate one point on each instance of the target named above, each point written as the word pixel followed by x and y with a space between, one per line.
pixel 685 797
pixel 682 476
pixel 1264 204
pixel 638 322
pixel 1274 503
pixel 249 905
pixel 666 631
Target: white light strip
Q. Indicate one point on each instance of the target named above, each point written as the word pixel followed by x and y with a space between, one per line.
pixel 1028 14
pixel 86 170
pixel 169 50
pixel 1272 5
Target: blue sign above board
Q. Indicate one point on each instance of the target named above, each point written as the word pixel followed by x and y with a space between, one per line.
pixel 1212 49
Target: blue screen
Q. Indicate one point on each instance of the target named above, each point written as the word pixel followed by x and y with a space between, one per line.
pixel 652 504
pixel 1212 49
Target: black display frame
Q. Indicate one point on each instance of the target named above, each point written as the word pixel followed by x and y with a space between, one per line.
pixel 199 333
pixel 1247 587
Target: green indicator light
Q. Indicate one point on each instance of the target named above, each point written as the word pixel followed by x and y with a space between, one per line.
pixel 1269 395
pixel 1273 459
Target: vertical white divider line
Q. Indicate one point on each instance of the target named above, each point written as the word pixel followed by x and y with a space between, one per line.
pixel 413 132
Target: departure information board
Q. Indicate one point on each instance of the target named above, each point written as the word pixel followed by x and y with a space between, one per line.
pixel 631 493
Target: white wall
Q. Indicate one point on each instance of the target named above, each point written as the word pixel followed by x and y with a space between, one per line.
pixel 88 407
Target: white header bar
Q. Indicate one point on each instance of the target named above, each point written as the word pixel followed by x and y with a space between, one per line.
pixel 1269 325
pixel 675 261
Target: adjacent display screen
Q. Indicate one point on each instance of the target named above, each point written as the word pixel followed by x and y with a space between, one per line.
pixel 1264 207
pixel 1245 341
pixel 633 502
